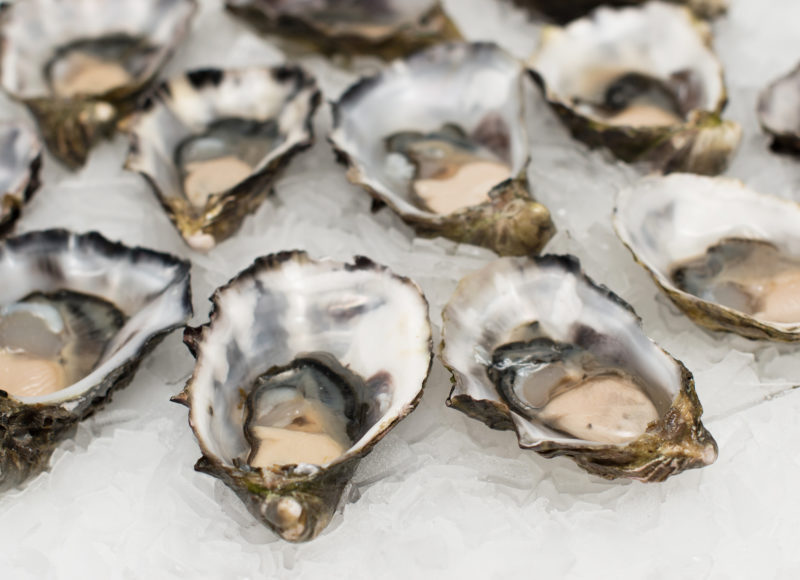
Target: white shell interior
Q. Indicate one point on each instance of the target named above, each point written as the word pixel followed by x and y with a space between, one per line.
pixel 656 39
pixel 151 289
pixel 38 28
pixel 452 83
pixel 369 320
pixel 667 220
pixel 491 303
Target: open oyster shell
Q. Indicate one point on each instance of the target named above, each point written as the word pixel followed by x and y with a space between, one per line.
pixel 304 366
pixel 452 156
pixel 79 65
pixel 20 162
pixel 779 111
pixel 563 11
pixel 385 28
pixel 535 346
pixel 211 142
pixel 642 82
pixel 727 256
pixel 77 315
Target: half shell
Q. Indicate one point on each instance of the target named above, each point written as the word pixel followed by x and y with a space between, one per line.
pixel 304 366
pixel 724 254
pixel 20 162
pixel 98 307
pixel 779 111
pixel 211 142
pixel 563 11
pixel 535 346
pixel 79 65
pixel 452 156
pixel 642 82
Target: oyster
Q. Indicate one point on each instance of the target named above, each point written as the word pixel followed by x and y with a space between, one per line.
pixel 80 65
pixel 211 142
pixel 565 10
pixel 727 256
pixel 535 346
pixel 642 82
pixel 386 28
pixel 77 314
pixel 20 161
pixel 779 111
pixel 304 366
pixel 452 158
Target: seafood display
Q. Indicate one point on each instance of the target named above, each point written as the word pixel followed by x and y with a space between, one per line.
pixel 79 65
pixel 452 160
pixel 303 368
pixel 77 315
pixel 210 143
pixel 20 162
pixel 642 82
pixel 537 347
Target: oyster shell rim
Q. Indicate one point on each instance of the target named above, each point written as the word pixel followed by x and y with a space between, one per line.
pixel 28 186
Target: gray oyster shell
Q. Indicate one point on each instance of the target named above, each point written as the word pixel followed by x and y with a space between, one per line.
pixel 20 162
pixel 476 88
pixel 360 318
pixel 779 111
pixel 562 11
pixel 151 289
pixel 551 296
pixel 51 48
pixel 259 115
pixel 385 28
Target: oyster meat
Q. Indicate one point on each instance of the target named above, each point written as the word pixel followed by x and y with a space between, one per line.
pixel 211 142
pixel 20 162
pixel 536 346
pixel 642 82
pixel 727 256
pixel 452 159
pixel 385 28
pixel 779 111
pixel 80 65
pixel 304 366
pixel 77 315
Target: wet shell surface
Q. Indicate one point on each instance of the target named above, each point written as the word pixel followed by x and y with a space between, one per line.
pixel 385 28
pixel 304 366
pixel 642 82
pixel 563 11
pixel 211 142
pixel 79 65
pixel 77 315
pixel 537 347
pixel 20 162
pixel 452 156
pixel 728 256
pixel 779 111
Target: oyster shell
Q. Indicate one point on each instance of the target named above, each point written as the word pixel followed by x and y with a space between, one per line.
pixel 20 161
pixel 563 11
pixel 451 159
pixel 535 346
pixel 642 82
pixel 727 256
pixel 304 366
pixel 77 315
pixel 779 111
pixel 80 65
pixel 211 142
pixel 386 28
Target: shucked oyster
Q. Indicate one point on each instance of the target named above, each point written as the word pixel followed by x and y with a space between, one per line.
pixel 779 111
pixel 537 347
pixel 77 314
pixel 20 161
pixel 451 157
pixel 79 65
pixel 642 82
pixel 210 143
pixel 565 10
pixel 387 28
pixel 727 256
pixel 304 366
